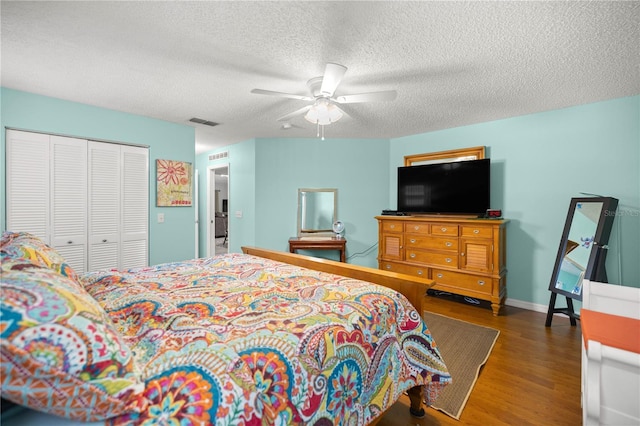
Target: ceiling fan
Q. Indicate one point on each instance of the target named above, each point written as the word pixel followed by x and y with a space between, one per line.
pixel 324 108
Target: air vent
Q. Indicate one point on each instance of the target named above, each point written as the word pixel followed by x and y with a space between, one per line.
pixel 201 121
pixel 219 155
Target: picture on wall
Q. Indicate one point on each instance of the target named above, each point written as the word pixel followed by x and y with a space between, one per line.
pixel 173 182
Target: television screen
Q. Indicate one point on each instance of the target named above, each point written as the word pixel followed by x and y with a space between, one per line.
pixel 460 187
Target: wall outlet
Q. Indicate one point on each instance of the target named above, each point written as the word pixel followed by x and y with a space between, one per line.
pixel 160 217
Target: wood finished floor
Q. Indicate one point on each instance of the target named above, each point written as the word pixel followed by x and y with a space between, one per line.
pixel 532 376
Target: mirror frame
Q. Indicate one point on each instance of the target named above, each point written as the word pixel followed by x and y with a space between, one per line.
pixel 302 232
pixel 463 154
pixel 595 268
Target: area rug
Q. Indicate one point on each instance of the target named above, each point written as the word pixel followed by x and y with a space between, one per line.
pixel 465 348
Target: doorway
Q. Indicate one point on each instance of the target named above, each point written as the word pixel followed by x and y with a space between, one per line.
pixel 218 210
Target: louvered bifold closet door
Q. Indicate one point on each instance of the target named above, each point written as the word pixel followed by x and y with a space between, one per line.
pixel 104 205
pixel 27 183
pixel 69 200
pixel 135 207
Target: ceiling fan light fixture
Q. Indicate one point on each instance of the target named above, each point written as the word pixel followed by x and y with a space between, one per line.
pixel 323 112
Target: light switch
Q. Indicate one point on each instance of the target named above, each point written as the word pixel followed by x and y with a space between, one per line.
pixel 160 217
pixel 238 213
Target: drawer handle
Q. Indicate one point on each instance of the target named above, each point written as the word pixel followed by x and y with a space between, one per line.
pixel 419 272
pixel 448 260
pixel 448 244
pixel 69 242
pixel 412 255
pixel 480 282
pixel 443 229
pixel 388 266
pixel 104 241
pixel 439 275
pixel 413 241
pixel 392 226
pixel 476 231
pixel 416 227
pixel 461 254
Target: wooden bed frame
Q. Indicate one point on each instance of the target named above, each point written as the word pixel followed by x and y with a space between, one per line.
pixel 413 288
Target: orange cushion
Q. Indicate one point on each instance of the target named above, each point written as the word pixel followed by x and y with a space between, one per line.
pixel 611 330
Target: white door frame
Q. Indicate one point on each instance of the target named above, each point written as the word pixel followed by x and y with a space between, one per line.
pixel 196 196
pixel 211 187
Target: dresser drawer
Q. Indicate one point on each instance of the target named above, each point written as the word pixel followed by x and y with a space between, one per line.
pixel 416 228
pixel 448 229
pixel 431 243
pixel 402 268
pixel 392 226
pixel 477 231
pixel 463 281
pixel 432 258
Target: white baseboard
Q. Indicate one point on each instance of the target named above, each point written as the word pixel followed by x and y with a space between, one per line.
pixel 527 305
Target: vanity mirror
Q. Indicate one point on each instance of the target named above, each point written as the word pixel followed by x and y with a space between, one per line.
pixel 317 210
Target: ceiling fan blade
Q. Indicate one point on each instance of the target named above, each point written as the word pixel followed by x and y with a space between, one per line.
pixel 333 74
pixel 282 95
pixel 295 113
pixel 344 113
pixel 387 95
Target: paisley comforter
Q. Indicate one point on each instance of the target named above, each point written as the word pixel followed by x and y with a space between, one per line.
pixel 242 340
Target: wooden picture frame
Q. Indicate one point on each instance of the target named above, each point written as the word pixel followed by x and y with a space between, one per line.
pixel 462 154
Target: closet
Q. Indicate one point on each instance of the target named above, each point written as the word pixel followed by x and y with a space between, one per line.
pixel 87 199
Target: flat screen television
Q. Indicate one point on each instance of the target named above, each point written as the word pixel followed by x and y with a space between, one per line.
pixel 461 187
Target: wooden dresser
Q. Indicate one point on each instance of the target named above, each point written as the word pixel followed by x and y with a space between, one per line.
pixel 463 256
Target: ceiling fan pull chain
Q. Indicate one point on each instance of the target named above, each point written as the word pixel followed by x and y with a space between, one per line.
pixel 322 132
pixel 318 129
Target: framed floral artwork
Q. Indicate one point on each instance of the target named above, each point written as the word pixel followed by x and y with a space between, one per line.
pixel 173 182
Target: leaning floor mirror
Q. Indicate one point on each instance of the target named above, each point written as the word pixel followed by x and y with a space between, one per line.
pixel 582 252
pixel 317 210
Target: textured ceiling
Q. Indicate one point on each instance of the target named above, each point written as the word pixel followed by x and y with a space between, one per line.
pixel 452 63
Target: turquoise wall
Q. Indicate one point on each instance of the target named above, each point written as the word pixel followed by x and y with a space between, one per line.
pixel 268 197
pixel 169 241
pixel 541 161
pixel 357 168
pixel 241 161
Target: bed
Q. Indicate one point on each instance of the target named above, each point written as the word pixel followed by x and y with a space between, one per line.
pixel 259 337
